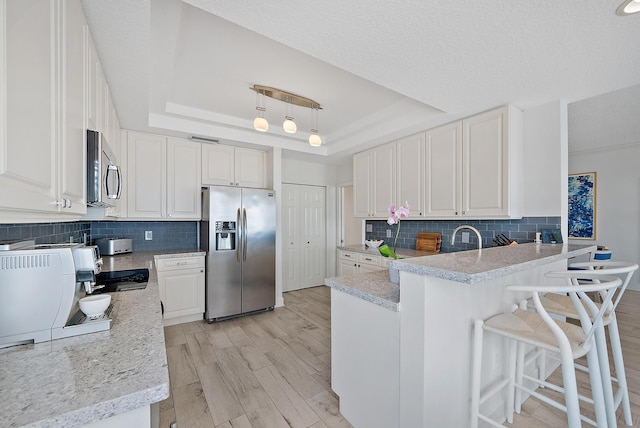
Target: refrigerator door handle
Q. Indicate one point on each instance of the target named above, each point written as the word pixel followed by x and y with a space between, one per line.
pixel 238 238
pixel 244 234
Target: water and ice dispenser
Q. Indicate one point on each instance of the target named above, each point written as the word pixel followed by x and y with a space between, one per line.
pixel 225 235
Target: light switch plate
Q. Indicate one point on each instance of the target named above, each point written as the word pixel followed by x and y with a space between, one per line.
pixel 388 233
pixel 369 228
pixel 148 235
pixel 465 237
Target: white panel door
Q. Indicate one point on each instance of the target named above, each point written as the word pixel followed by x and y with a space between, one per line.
pixel 290 198
pixel 304 230
pixel 443 147
pixel 312 231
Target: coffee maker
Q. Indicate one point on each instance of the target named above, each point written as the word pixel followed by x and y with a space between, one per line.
pixel 41 287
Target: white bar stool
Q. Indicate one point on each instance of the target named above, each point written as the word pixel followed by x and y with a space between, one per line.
pixel 538 329
pixel 562 305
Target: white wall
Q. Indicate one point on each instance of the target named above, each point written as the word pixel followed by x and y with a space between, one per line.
pixel 617 199
pixel 545 161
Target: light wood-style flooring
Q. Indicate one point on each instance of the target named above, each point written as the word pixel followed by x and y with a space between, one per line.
pixel 274 369
pixel 266 370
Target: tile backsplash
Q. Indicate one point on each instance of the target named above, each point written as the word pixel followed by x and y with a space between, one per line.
pixel 174 235
pixel 520 230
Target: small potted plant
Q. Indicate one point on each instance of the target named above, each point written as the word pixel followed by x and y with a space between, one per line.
pixel 395 214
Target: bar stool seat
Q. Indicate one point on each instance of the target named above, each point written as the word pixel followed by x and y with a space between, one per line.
pixel 562 305
pixel 538 329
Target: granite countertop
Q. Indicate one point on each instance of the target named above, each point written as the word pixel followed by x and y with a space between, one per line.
pixel 78 380
pixel 373 287
pixel 467 267
pixel 474 266
pixel 402 253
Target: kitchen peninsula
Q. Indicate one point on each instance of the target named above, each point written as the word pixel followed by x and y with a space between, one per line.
pixel 401 354
pixel 111 378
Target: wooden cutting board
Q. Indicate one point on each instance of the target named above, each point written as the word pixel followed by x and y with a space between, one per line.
pixel 429 241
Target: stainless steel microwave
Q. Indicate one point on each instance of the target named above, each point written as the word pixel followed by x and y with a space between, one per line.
pixel 104 178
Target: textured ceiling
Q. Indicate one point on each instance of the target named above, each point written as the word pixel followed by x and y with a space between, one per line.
pixel 381 69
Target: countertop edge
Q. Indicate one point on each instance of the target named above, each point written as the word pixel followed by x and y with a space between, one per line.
pixel 379 278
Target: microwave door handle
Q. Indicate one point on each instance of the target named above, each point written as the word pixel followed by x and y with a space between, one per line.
pixel 238 238
pixel 106 181
pixel 119 192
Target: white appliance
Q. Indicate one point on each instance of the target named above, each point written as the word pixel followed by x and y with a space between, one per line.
pixel 238 231
pixel 40 286
pixel 104 179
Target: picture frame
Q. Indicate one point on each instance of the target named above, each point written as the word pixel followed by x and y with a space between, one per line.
pixel 582 205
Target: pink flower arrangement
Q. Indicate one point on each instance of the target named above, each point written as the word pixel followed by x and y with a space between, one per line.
pixel 395 214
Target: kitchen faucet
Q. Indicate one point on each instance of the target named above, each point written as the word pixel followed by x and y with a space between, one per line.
pixel 464 226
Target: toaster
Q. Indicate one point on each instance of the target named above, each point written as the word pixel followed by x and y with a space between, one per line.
pixel 113 246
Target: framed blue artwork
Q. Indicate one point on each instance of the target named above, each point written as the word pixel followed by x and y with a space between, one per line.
pixel 582 205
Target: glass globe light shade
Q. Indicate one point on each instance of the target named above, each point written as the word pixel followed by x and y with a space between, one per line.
pixel 289 125
pixel 315 140
pixel 261 124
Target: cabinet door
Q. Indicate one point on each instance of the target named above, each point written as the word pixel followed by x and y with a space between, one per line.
pixel 182 292
pixel 146 176
pixel 183 179
pixel 443 147
pixel 347 267
pixel 218 165
pixel 28 161
pixel 94 71
pixel 73 145
pixel 410 153
pixel 249 168
pixel 362 184
pixel 384 179
pixel 485 164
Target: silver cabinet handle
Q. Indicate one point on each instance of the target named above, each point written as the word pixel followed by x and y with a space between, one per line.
pixel 241 232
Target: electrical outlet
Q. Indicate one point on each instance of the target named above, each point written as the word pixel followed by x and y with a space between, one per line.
pixel 148 235
pixel 465 237
pixel 388 233
pixel 369 228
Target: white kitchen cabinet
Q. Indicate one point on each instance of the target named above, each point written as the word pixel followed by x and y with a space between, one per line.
pixel 163 177
pixel 443 168
pixel 42 70
pixel 374 181
pixel 353 262
pixel 411 172
pixel 474 167
pixel 304 234
pixel 233 166
pixel 181 286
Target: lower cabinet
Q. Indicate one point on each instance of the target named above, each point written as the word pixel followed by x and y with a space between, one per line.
pixel 181 284
pixel 353 262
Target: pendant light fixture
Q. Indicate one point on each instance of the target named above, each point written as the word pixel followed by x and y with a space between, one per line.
pixel 314 138
pixel 628 7
pixel 289 125
pixel 260 123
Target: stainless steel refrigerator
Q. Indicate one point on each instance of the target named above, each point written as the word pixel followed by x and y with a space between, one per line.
pixel 238 232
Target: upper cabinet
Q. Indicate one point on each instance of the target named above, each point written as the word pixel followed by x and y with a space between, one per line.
pixel 233 166
pixel 42 54
pixel 163 177
pixel 374 181
pixel 470 168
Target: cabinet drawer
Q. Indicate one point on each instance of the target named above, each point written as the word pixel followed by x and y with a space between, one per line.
pixel 348 255
pixel 180 263
pixel 368 259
